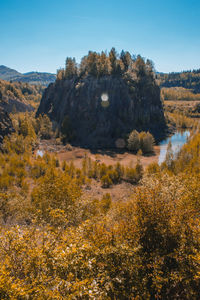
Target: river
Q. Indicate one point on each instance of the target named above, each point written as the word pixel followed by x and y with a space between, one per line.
pixel 178 139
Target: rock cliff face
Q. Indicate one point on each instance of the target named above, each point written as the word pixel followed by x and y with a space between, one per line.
pixel 101 111
pixel 5 124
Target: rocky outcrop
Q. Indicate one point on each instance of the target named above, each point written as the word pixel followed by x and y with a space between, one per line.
pixel 102 111
pixel 5 124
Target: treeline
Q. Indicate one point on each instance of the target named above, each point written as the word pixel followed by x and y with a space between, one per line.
pixel 30 94
pixel 186 79
pixel 103 64
pixel 179 119
pixel 179 93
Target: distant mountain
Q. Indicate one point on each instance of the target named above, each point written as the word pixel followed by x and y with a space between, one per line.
pixel 30 77
pixel 7 73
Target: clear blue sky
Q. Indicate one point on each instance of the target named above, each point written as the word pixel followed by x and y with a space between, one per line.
pixel 40 34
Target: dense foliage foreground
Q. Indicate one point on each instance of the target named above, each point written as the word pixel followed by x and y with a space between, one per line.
pixel 55 245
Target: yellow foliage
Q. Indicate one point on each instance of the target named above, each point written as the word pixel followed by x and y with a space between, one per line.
pixel 56 245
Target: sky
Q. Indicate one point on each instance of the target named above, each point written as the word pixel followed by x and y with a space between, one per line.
pixel 38 35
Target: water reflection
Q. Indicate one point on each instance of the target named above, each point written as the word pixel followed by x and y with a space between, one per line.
pixel 39 153
pixel 178 140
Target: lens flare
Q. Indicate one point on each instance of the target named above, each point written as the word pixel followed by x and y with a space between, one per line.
pixel 120 143
pixel 104 97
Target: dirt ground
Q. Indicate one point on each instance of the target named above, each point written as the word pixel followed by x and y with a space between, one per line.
pixel 108 157
pixel 119 192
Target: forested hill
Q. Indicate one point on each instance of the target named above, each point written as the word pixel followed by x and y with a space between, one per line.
pixel 104 98
pixel 19 97
pixel 185 79
pixel 31 77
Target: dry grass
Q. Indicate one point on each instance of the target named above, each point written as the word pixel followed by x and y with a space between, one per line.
pixel 119 192
pixel 181 103
pixel 107 157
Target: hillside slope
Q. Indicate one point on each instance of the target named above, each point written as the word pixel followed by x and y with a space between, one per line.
pixel 5 124
pixel 19 97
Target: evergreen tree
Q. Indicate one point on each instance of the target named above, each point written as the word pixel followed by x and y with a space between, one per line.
pixel 70 68
pixel 60 74
pixel 140 68
pixel 126 60
pixel 92 61
pixel 104 67
pixel 113 60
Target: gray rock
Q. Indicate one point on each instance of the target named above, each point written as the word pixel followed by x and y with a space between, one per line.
pixel 99 124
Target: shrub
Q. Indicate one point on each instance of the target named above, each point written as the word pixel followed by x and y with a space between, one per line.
pixel 133 141
pixel 142 140
pixel 55 191
pixel 153 168
pixel 106 181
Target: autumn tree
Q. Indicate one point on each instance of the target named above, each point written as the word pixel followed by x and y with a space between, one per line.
pixel 55 190
pixel 133 141
pixel 60 74
pixel 103 65
pixel 146 142
pixel 126 59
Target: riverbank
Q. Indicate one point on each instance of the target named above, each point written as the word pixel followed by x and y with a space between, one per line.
pixel 111 157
